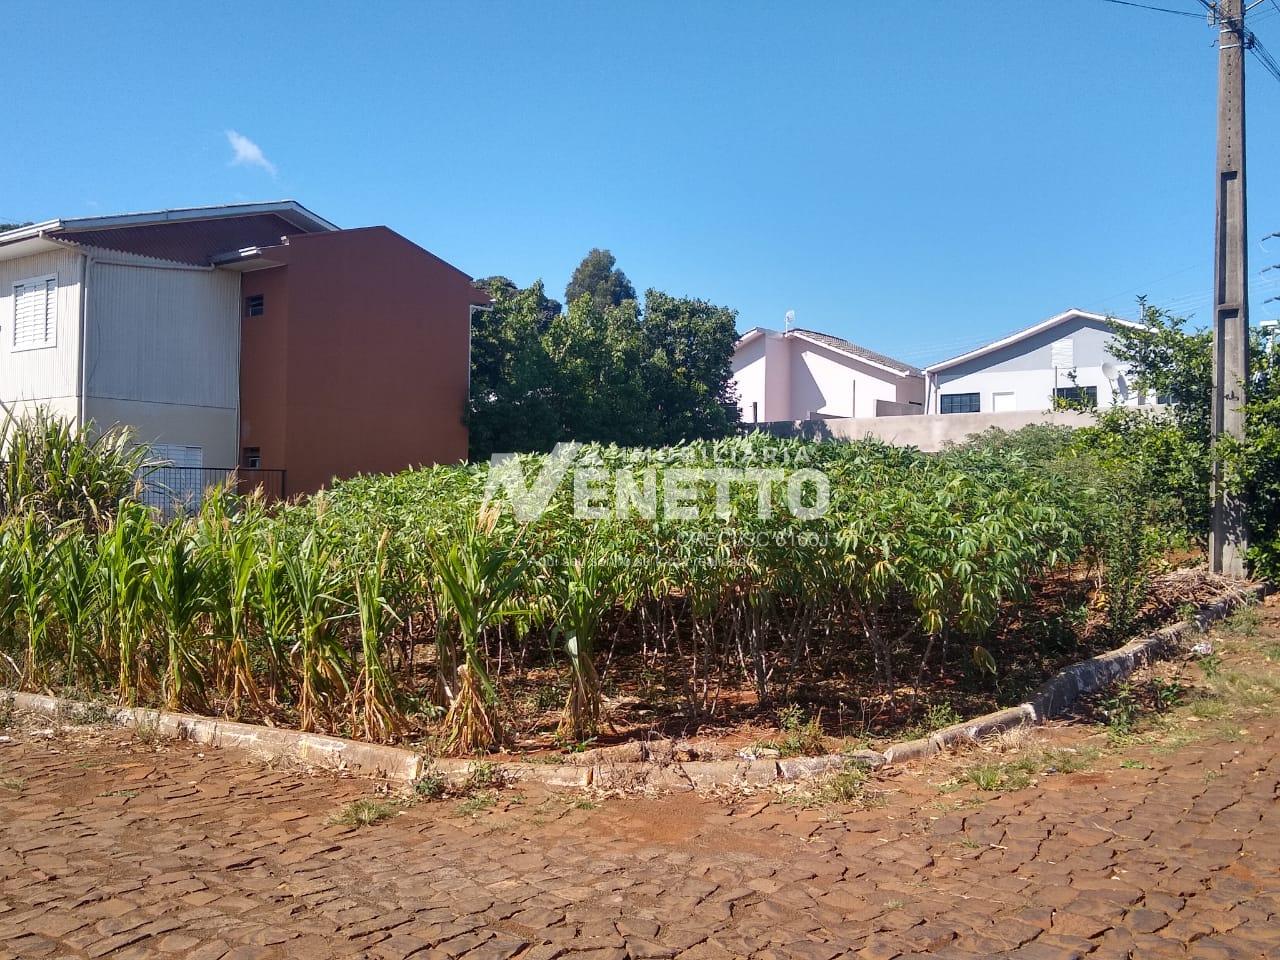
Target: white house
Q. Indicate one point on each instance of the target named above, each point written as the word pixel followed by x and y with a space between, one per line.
pixel 806 375
pixel 1066 356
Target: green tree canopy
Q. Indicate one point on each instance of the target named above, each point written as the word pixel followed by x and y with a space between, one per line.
pixel 598 371
pixel 599 276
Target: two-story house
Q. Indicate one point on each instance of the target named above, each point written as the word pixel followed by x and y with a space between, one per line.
pixel 254 335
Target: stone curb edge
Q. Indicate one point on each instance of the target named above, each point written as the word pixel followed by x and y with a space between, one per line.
pixel 402 766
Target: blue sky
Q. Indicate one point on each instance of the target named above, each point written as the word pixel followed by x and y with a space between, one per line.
pixel 918 177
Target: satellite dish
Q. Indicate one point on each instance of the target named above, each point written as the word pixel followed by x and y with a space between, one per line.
pixel 1109 370
pixel 790 318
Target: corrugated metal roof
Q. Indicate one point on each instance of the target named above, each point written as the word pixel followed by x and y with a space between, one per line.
pixel 189 241
pixel 848 346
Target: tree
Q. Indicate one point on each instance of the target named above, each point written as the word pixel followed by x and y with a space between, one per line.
pixel 502 288
pixel 599 389
pixel 1173 447
pixel 511 405
pixel 13 226
pixel 599 276
pixel 598 371
pixel 688 368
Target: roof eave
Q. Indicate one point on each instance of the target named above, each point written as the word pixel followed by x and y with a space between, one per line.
pixel 290 210
pixel 30 230
pixel 896 371
pixel 1028 332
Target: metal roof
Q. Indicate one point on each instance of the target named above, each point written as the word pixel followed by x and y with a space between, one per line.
pixel 856 350
pixel 194 235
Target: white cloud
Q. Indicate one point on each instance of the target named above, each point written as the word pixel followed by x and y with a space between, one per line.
pixel 247 153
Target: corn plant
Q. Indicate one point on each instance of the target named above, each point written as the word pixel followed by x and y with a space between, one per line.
pixel 178 577
pixel 477 581
pixel 312 574
pixel 378 715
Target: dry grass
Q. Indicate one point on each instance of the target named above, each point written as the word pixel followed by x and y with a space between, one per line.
pixel 364 813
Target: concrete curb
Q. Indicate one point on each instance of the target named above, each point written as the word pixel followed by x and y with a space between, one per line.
pixel 332 753
pixel 636 765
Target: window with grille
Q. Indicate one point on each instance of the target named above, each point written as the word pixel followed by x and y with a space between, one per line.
pixel 35 313
pixel 1087 396
pixel 960 403
pixel 255 305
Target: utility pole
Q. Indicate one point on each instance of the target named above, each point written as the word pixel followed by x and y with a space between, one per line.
pixel 1228 538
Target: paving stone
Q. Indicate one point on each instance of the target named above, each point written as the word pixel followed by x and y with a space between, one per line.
pixel 218 856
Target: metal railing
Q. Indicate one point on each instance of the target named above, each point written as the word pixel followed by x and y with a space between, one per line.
pixel 172 490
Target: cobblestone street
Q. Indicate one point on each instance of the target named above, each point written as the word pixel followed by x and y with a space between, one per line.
pixel 113 847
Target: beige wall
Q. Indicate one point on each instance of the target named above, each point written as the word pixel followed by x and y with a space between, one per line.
pixel 211 428
pixel 49 375
pixel 929 432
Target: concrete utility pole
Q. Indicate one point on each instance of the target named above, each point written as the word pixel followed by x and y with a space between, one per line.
pixel 1228 538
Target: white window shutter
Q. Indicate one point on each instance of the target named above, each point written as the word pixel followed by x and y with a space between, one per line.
pixel 35 313
pixel 1064 354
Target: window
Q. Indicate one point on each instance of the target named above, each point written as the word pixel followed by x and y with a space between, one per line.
pixel 255 305
pixel 251 457
pixel 35 306
pixel 960 403
pixel 1077 396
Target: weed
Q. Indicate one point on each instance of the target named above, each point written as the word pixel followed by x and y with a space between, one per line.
pixel 1067 760
pixel 801 737
pixel 1122 708
pixel 1210 665
pixel 584 804
pixel 7 711
pixel 1130 764
pixel 477 803
pixel 1245 622
pixel 432 785
pixel 940 715
pixel 13 783
pixel 1166 694
pixel 97 713
pixel 127 794
pixel 483 775
pixel 986 776
pixel 363 813
pixel 848 786
pixel 1020 772
pixel 147 729
pixel 894 904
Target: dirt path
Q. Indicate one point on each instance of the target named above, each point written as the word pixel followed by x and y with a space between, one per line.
pixel 1161 843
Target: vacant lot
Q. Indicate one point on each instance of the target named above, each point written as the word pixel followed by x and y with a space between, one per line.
pixel 1157 833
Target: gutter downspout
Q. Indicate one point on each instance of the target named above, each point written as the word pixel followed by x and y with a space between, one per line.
pixel 86 264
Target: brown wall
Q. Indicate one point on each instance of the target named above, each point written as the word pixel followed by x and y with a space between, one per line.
pixel 363 365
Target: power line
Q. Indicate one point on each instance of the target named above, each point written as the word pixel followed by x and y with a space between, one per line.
pixel 1261 54
pixel 1147 6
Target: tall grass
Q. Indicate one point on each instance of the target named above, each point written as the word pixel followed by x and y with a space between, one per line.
pixel 390 601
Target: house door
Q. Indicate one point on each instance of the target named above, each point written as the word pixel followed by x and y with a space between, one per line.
pixel 1002 402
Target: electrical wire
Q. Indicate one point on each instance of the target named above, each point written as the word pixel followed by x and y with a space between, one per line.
pixel 1147 6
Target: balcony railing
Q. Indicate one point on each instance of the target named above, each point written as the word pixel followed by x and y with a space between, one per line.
pixel 173 490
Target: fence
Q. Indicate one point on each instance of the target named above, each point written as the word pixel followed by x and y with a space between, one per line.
pixel 172 490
